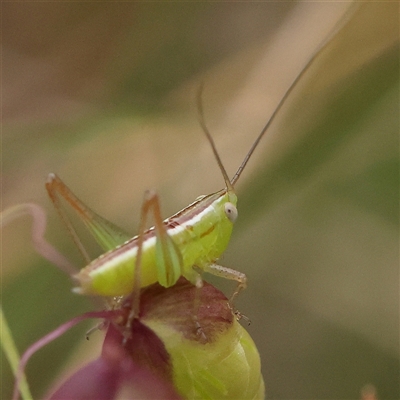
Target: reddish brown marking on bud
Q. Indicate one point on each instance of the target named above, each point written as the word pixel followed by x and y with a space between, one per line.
pixel 176 307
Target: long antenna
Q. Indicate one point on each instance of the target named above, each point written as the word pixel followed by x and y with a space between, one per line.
pixel 228 183
pixel 338 26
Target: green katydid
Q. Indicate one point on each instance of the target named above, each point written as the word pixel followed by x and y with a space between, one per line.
pixel 186 244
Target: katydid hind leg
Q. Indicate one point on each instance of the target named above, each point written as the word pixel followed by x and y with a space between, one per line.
pixel 105 233
pixel 55 187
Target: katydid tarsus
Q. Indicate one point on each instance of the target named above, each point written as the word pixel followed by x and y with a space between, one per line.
pixel 186 244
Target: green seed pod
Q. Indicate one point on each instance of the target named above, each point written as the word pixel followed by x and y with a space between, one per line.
pixel 212 355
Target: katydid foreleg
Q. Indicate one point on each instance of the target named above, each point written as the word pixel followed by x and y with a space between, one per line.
pixel 231 274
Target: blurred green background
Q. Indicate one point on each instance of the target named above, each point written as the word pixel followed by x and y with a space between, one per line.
pixel 103 94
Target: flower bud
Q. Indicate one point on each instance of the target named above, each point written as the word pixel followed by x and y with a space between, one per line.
pixel 184 344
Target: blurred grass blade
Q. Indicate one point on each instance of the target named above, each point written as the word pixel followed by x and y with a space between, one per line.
pixel 11 353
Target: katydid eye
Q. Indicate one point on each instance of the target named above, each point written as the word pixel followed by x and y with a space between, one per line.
pixel 231 212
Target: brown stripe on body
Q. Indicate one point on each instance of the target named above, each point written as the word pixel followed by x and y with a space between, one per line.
pixel 195 208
